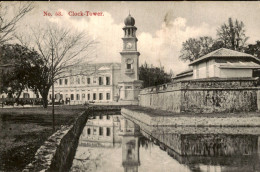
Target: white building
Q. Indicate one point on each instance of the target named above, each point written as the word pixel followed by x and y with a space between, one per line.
pixel 89 83
pixel 222 63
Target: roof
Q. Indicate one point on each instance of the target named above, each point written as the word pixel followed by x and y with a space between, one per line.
pixel 90 68
pixel 184 72
pixel 239 65
pixel 224 53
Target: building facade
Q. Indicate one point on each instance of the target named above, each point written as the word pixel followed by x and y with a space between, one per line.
pixel 221 63
pixel 88 83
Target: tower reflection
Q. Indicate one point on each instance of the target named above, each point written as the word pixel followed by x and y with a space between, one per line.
pixel 130 145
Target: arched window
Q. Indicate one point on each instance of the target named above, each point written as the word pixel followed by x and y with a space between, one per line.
pixel 89 131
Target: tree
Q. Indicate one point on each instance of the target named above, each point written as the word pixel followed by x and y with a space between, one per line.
pixel 153 76
pixel 195 48
pixel 23 64
pixel 232 35
pixel 60 49
pixel 254 49
pixel 8 21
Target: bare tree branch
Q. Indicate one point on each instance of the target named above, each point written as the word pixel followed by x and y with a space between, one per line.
pixel 7 23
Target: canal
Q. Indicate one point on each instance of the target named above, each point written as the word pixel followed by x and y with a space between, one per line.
pixel 110 142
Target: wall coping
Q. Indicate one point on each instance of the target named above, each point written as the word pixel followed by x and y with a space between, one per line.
pixel 180 85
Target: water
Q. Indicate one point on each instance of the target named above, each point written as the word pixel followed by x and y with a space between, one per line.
pixel 113 143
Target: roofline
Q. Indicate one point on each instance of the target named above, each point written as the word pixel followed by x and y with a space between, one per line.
pixel 210 57
pixel 184 72
pixel 184 75
pixel 239 67
pixel 214 56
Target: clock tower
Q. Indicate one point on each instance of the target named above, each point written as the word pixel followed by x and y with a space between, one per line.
pixel 130 85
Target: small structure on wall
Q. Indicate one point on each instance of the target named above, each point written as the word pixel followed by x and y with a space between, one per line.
pixel 221 63
pixel 225 63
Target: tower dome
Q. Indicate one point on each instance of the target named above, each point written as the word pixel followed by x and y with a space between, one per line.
pixel 129 21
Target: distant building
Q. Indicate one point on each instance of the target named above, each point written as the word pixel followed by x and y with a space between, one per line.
pixel 222 63
pixel 89 83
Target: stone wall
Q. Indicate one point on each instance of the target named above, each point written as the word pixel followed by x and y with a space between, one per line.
pixel 57 153
pixel 203 96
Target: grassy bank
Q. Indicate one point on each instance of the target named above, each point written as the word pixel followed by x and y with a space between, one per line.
pixel 24 130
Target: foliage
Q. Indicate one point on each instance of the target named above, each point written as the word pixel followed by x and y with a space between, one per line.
pixel 195 48
pixel 254 49
pixel 24 66
pixel 230 35
pixel 152 76
pixel 60 49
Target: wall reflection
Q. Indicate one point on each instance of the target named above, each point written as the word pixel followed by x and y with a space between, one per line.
pixel 115 143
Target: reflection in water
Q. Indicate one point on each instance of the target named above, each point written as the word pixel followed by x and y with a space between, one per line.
pixel 113 143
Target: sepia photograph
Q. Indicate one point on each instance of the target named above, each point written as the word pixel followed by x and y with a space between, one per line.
pixel 130 86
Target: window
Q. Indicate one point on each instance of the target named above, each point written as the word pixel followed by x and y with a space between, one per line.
pixel 88 80
pixel 72 97
pixel 71 80
pixel 101 131
pixel 94 96
pixel 100 79
pixel 66 81
pixel 89 131
pixel 83 96
pixel 50 96
pixel 107 80
pixel 108 96
pixel 108 131
pixel 78 97
pixel 128 66
pixel 100 116
pixel 60 81
pixel 61 96
pixel 78 80
pixel 88 96
pixel 100 96
pixel 83 80
pixel 26 95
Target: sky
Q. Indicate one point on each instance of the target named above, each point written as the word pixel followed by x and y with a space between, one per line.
pixel 162 27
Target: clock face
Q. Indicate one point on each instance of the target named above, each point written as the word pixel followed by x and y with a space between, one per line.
pixel 129 45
